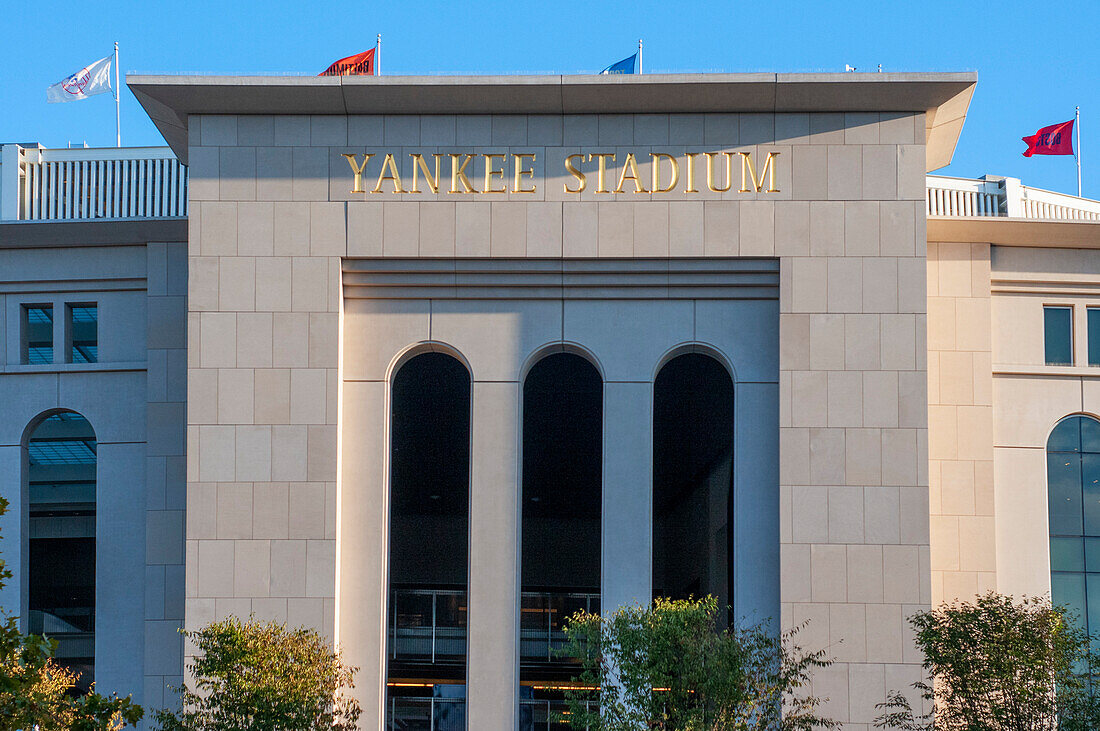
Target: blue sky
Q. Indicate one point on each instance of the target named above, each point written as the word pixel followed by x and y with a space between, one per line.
pixel 1035 62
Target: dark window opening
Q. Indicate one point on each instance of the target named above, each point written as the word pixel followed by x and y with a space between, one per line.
pixel 561 515
pixel 61 458
pixel 1058 335
pixel 37 334
pixel 83 334
pixel 1094 335
pixel 693 480
pixel 428 552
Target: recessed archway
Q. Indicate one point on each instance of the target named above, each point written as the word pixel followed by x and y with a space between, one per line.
pixel 693 432
pixel 61 460
pixel 561 515
pixel 429 501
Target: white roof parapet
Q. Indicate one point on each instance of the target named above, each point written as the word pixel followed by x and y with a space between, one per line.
pixel 996 196
pixel 98 183
pixel 943 97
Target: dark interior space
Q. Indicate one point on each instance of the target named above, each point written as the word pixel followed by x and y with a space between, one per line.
pixel 428 553
pixel 562 506
pixel 693 480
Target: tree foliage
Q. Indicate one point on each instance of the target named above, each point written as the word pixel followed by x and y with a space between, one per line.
pixel 252 675
pixel 994 664
pixel 36 692
pixel 668 667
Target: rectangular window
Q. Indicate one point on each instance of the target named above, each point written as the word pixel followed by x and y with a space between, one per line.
pixel 1094 335
pixel 1058 335
pixel 83 333
pixel 37 334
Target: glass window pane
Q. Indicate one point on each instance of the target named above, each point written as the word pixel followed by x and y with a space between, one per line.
pixel 1064 485
pixel 1094 335
pixel 38 334
pixel 1090 474
pixel 1090 434
pixel 1069 590
pixel 1066 436
pixel 1058 329
pixel 1066 554
pixel 1092 555
pixel 84 333
pixel 1092 602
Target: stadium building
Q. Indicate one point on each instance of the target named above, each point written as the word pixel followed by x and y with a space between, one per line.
pixel 430 363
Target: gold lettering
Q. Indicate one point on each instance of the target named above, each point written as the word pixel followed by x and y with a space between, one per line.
pixel 458 172
pixel 757 185
pixel 491 173
pixel 601 175
pixel 582 180
pixel 691 172
pixel 631 165
pixel 358 171
pixel 656 158
pixel 432 181
pixel 389 172
pixel 517 186
pixel 710 171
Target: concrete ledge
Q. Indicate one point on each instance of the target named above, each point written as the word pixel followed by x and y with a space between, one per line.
pixel 99 232
pixel 1004 231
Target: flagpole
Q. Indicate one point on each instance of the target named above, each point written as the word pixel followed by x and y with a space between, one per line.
pixel 118 116
pixel 640 56
pixel 1077 125
pixel 378 56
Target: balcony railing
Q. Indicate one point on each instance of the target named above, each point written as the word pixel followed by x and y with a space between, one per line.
pixel 539 715
pixel 426 714
pixel 542 623
pixel 994 196
pixel 38 184
pixel 428 625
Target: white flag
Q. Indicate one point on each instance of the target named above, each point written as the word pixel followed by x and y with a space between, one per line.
pixel 88 81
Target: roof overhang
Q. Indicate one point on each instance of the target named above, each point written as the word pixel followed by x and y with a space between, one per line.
pixel 95 232
pixel 943 97
pixel 1000 231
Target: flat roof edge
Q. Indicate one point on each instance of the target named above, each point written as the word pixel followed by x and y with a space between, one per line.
pixel 1003 231
pixel 944 97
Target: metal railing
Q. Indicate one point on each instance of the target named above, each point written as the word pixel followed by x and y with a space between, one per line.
pixel 996 196
pixel 38 184
pixel 542 622
pixel 426 714
pixel 427 625
pixel 538 715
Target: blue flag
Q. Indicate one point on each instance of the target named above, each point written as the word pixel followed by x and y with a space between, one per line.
pixel 628 65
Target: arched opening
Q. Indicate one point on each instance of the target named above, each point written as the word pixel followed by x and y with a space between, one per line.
pixel 1073 494
pixel 428 545
pixel 61 495
pixel 693 480
pixel 562 508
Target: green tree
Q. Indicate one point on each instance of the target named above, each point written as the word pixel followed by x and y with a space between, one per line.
pixel 37 692
pixel 253 675
pixel 668 666
pixel 994 664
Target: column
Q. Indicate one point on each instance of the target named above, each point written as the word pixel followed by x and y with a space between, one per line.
pixel 361 544
pixel 492 685
pixel 626 566
pixel 755 593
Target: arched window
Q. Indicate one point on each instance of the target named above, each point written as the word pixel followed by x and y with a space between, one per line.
pixel 428 544
pixel 1073 485
pixel 61 480
pixel 693 480
pixel 562 508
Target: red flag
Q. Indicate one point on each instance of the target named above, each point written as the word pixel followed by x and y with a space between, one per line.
pixel 361 64
pixel 1057 139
